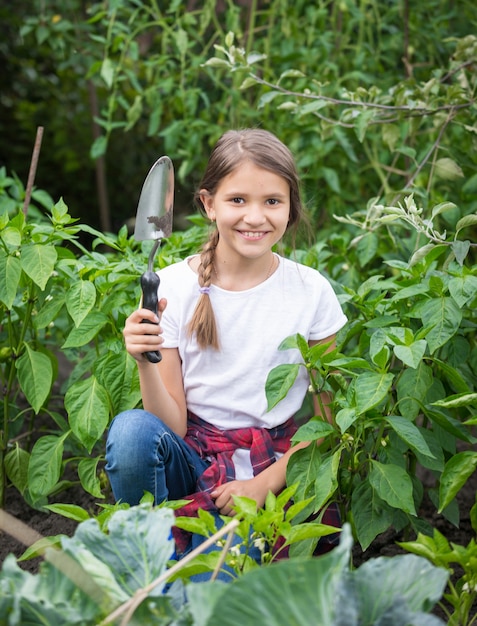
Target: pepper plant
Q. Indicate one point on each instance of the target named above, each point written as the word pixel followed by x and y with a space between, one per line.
pixel 403 376
pixel 63 369
pixel 461 562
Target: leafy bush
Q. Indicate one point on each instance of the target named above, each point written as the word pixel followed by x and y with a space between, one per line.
pixel 371 98
pixel 404 384
pixel 61 320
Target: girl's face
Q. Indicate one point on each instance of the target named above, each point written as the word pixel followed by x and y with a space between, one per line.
pixel 251 207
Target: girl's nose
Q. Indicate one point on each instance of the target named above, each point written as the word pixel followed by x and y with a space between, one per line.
pixel 254 215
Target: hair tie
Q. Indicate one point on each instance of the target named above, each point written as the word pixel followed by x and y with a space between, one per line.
pixel 204 290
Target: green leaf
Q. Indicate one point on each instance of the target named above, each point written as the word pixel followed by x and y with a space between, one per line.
pixel 450 425
pixel 445 317
pixel 117 372
pixel 247 83
pixel 16 467
pixel 297 342
pixel 308 531
pixel 362 122
pixel 390 134
pixel 39 547
pixel 203 598
pixel 346 418
pixel 71 511
pixel 371 515
pixel 216 62
pixel 107 72
pixel 12 237
pixel 463 289
pixel 447 169
pixel 409 433
pixel 412 387
pixel 453 376
pixel 279 382
pixel 312 430
pixel 99 147
pixel 35 375
pixel 87 404
pixel 87 472
pixel 192 525
pixel 393 485
pixel 302 470
pixel 38 262
pixel 59 213
pixel 371 389
pixel 10 273
pixel 44 469
pixel 460 250
pixel 457 471
pixel 86 331
pixel 291 73
pixel 80 299
pixel 407 584
pixel 442 208
pixel 411 355
pixel 327 480
pixel 136 548
pixel 457 400
pixel 308 590
pixel 466 222
pixel 367 248
pixel 422 253
pixel 49 311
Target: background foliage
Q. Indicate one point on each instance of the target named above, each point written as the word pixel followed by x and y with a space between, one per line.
pixel 131 74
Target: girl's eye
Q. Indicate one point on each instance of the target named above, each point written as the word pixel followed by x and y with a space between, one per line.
pixel 237 200
pixel 273 201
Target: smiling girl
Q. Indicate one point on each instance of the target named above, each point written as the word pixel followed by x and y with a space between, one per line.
pixel 205 433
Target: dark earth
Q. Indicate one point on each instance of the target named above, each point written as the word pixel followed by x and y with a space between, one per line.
pixel 48 524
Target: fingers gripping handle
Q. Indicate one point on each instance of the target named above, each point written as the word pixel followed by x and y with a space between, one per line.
pixel 150 284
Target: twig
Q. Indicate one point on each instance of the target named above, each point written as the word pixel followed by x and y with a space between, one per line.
pixel 141 594
pixel 18 530
pixel 414 111
pixel 431 150
pixel 33 166
pixel 223 555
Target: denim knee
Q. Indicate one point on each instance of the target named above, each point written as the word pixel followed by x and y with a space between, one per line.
pixel 143 454
pixel 129 433
pixel 131 451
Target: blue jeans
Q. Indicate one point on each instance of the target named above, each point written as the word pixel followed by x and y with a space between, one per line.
pixel 143 454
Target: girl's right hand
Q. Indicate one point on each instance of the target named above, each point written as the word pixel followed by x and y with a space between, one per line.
pixel 143 337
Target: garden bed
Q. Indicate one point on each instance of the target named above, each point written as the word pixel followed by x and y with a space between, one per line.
pixel 49 524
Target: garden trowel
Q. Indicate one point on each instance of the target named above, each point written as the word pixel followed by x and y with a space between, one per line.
pixel 154 221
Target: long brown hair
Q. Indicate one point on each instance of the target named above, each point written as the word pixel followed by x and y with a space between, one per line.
pixel 265 150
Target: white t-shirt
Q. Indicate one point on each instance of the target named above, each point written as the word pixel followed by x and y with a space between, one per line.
pixel 227 388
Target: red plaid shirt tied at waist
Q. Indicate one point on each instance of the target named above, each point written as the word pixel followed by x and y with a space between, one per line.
pixel 218 446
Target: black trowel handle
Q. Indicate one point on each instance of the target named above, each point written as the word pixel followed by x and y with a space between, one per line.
pixel 150 284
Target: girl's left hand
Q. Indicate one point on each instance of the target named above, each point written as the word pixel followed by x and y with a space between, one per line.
pixel 248 488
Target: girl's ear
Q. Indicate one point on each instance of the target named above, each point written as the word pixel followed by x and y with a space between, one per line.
pixel 208 203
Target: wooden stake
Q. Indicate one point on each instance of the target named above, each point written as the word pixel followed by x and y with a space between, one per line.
pixel 33 166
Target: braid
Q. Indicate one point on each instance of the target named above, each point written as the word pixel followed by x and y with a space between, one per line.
pixel 202 322
pixel 207 260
